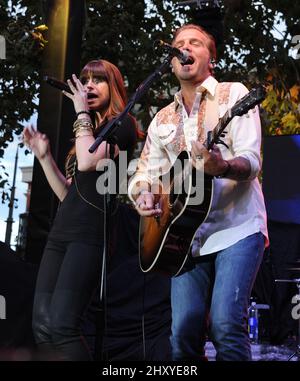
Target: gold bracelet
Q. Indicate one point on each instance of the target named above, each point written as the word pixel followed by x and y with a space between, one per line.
pixel 82 123
pixel 81 136
pixel 83 129
pixel 83 120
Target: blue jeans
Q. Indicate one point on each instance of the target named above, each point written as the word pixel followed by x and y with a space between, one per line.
pixel 215 293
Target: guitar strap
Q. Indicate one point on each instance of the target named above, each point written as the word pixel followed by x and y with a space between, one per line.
pixel 212 112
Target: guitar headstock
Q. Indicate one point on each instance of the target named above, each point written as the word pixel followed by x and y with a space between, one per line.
pixel 250 100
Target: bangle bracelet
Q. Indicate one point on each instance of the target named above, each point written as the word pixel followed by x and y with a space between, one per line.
pixel 81 130
pixel 83 112
pixel 82 123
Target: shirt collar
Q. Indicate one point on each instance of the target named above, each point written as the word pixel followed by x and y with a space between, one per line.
pixel 209 84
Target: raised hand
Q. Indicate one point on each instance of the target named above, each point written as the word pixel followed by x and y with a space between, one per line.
pixel 37 142
pixel 79 96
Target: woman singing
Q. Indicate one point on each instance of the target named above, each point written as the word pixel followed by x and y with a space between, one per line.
pixel 71 264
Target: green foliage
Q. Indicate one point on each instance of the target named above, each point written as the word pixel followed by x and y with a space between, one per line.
pixel 281 106
pixel 19 79
pixel 126 38
pixel 258 42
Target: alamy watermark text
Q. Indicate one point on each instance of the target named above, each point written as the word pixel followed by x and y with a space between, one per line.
pixel 2 307
pixel 296 309
pixel 2 48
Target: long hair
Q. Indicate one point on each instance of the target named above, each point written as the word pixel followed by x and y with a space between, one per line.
pixel 117 93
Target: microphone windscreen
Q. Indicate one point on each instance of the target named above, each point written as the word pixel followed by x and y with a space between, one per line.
pixel 60 85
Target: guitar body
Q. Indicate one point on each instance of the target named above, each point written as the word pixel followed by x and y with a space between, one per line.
pixel 165 242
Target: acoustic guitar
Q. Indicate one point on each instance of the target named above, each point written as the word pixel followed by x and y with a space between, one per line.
pixel 184 195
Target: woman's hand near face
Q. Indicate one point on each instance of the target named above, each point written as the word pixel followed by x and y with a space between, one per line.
pixel 79 96
pixel 37 142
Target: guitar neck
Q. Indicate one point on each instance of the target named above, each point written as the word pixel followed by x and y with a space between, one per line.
pixel 214 135
pixel 249 101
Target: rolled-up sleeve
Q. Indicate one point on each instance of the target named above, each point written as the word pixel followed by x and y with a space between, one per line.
pixel 245 132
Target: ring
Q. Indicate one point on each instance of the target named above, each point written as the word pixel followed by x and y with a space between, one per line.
pixel 199 157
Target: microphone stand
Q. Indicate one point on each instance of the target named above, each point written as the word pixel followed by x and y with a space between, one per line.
pixel 107 134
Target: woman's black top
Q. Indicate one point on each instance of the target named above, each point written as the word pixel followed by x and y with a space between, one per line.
pixel 80 215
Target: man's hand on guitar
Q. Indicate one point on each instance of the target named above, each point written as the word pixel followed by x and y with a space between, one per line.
pixel 213 162
pixel 145 205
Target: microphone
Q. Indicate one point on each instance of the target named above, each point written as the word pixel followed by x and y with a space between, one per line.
pixel 183 56
pixel 57 84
